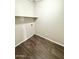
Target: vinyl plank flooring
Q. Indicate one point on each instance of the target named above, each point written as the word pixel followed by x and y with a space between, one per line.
pixel 39 48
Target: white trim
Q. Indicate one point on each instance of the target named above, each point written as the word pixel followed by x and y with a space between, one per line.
pixel 40 36
pixel 50 40
pixel 22 41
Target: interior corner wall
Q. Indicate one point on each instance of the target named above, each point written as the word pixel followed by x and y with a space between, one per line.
pixel 50 22
pixel 23 30
pixel 24 27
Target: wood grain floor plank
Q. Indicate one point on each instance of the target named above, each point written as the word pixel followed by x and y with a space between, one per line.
pixel 39 48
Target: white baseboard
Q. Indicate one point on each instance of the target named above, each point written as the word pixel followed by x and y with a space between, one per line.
pixel 50 40
pixel 22 41
pixel 40 36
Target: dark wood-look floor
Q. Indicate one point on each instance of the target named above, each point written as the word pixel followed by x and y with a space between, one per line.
pixel 39 48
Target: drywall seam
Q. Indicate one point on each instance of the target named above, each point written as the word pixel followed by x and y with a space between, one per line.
pixel 50 40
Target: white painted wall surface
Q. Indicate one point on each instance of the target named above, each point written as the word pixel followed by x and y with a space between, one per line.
pixel 23 29
pixel 50 22
pixel 19 35
pixel 24 8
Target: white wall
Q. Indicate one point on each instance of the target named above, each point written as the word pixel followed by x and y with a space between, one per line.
pixel 24 29
pixel 24 8
pixel 50 22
